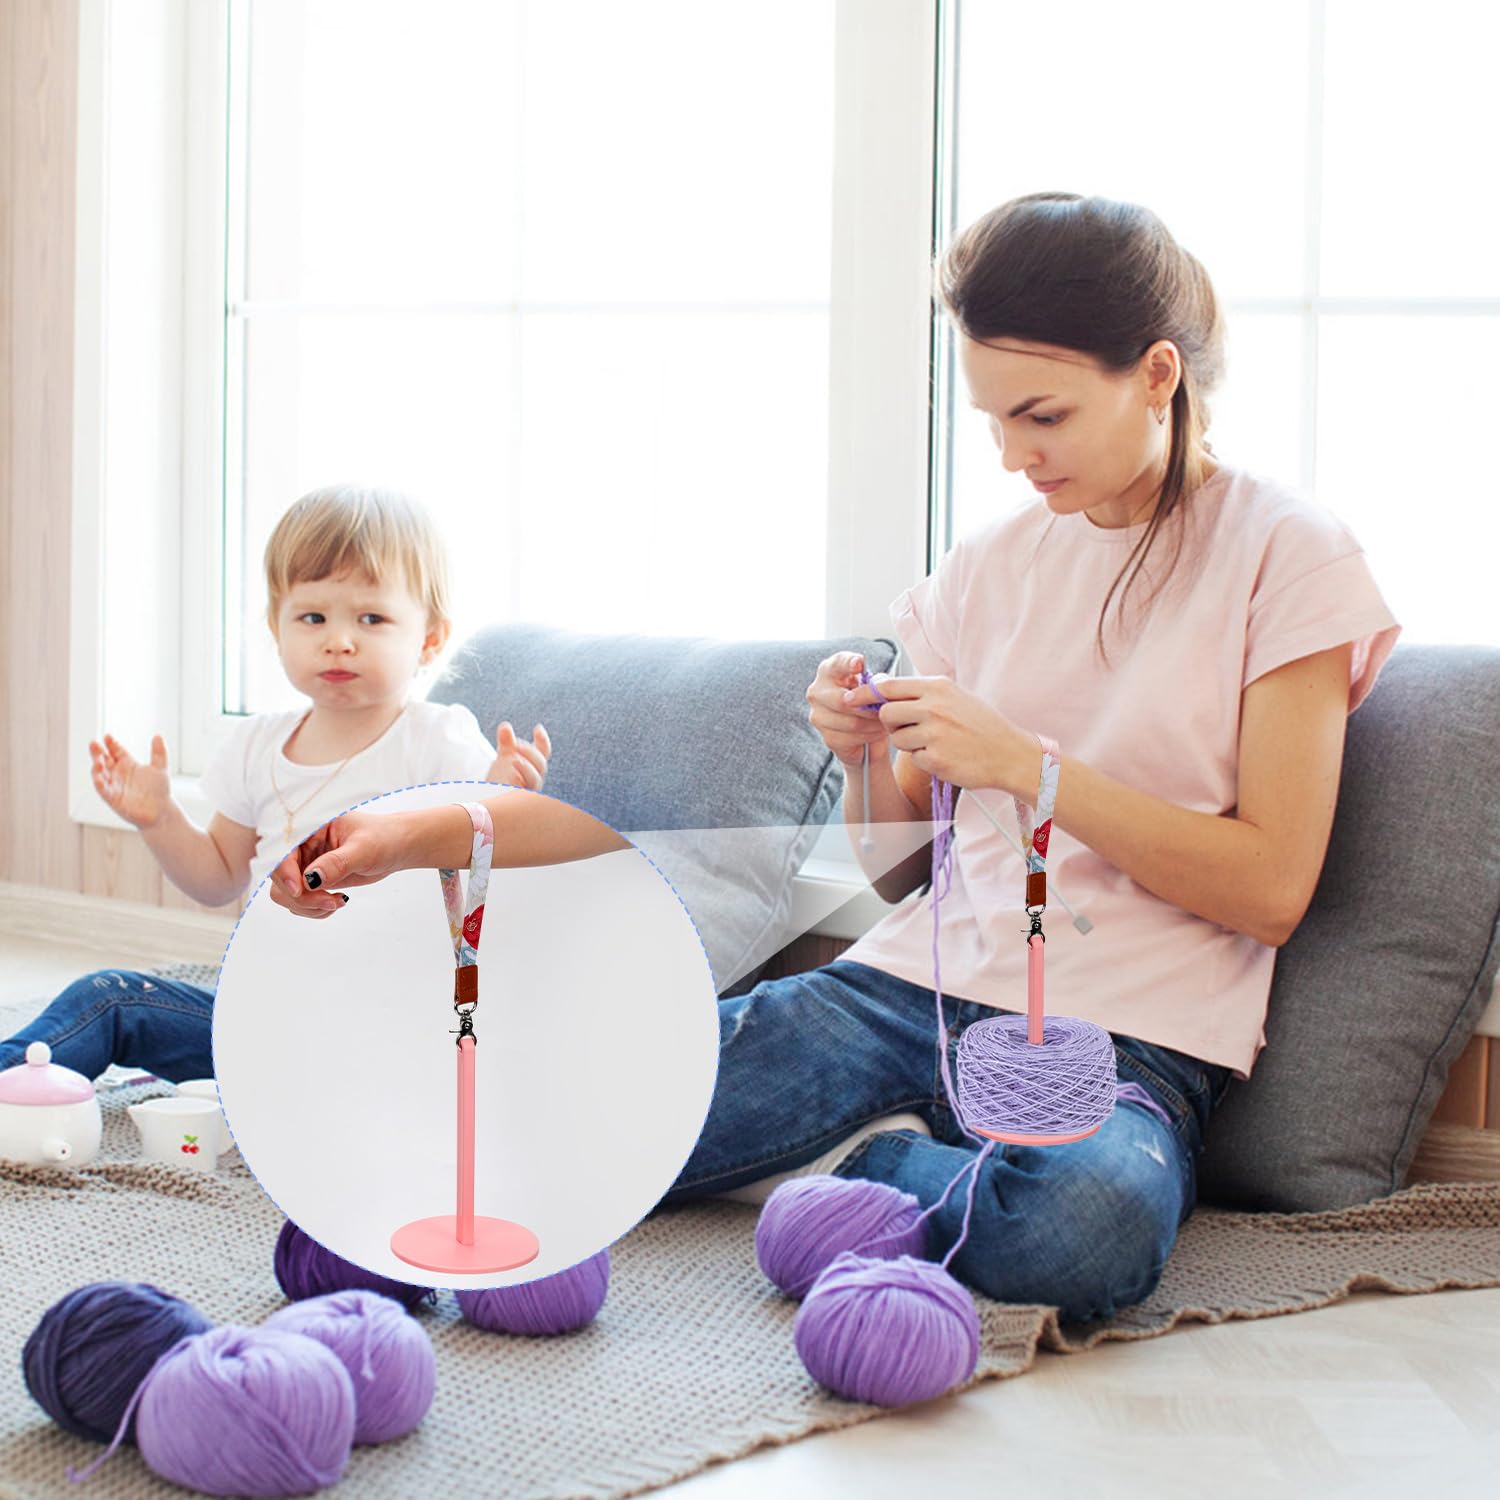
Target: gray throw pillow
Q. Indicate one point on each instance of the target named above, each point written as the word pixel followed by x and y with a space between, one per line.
pixel 699 750
pixel 1379 989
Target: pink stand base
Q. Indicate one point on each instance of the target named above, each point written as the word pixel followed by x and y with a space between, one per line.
pixel 1011 1138
pixel 432 1245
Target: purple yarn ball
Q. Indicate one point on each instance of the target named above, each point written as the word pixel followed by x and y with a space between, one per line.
pixel 305 1269
pixel 550 1304
pixel 247 1411
pixel 887 1331
pixel 809 1221
pixel 93 1348
pixel 387 1354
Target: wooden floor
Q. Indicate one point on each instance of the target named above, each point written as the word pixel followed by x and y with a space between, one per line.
pixel 1380 1396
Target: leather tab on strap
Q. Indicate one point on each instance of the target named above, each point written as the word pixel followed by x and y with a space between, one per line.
pixel 466 985
pixel 1036 889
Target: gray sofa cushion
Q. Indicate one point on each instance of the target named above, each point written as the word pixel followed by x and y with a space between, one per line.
pixel 664 738
pixel 1381 985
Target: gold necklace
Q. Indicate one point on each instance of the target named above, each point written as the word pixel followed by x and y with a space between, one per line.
pixel 291 812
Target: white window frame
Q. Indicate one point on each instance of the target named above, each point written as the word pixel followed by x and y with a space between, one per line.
pixel 880 336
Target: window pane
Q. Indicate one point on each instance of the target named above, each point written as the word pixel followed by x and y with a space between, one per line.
pixel 678 152
pixel 1231 185
pixel 1410 470
pixel 381 150
pixel 1411 117
pixel 560 270
pixel 1199 111
pixel 665 499
pixel 1261 411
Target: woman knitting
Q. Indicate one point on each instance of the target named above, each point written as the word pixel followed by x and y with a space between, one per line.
pixel 1192 637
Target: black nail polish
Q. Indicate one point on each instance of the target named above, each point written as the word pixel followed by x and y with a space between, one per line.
pixel 342 897
pixel 314 880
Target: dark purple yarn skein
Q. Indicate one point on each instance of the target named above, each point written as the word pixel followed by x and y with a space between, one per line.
pixel 304 1268
pixel 808 1222
pixel 93 1348
pixel 550 1304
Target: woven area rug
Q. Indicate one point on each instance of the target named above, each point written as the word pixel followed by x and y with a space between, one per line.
pixel 646 1394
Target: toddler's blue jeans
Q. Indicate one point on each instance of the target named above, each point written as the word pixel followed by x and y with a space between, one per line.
pixel 804 1061
pixel 160 1026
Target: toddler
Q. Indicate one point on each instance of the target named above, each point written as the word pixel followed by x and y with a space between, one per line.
pixel 356 583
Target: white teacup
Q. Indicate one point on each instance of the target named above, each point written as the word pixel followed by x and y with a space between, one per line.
pixel 182 1132
pixel 207 1088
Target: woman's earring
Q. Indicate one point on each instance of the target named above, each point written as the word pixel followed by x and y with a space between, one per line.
pixel 1161 415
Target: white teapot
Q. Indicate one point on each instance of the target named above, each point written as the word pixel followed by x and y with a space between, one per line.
pixel 48 1113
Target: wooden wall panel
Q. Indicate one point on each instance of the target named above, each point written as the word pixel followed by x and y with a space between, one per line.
pixel 7 561
pixel 117 863
pixel 43 846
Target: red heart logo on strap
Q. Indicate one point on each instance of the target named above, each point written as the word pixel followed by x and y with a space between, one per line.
pixel 1040 837
pixel 471 926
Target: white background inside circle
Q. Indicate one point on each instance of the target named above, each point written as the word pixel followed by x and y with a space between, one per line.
pixel 596 1061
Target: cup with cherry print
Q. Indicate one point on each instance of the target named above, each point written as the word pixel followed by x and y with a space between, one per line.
pixel 180 1131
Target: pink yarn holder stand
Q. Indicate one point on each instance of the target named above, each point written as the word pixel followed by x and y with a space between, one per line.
pixel 1036 903
pixel 1035 1035
pixel 463 1242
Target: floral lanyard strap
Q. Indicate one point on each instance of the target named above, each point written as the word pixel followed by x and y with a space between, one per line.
pixel 1035 835
pixel 466 916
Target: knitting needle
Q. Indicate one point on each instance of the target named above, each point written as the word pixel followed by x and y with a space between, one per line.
pixel 866 843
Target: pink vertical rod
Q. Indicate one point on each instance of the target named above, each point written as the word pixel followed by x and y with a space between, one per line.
pixel 465 1215
pixel 1034 1007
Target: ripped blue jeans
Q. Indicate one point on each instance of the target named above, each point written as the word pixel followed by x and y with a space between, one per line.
pixel 805 1060
pixel 161 1026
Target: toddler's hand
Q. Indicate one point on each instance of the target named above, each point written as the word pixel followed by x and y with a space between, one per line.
pixel 520 762
pixel 141 794
pixel 845 730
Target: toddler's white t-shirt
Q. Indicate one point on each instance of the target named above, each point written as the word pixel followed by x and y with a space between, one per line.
pixel 428 742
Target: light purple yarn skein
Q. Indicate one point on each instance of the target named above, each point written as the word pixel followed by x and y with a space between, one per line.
pixel 887 1331
pixel 550 1304
pixel 387 1354
pixel 808 1222
pixel 247 1411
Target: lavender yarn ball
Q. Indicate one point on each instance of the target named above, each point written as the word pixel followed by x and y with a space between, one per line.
pixel 809 1221
pixel 305 1269
pixel 550 1304
pixel 887 1331
pixel 247 1411
pixel 93 1348
pixel 387 1354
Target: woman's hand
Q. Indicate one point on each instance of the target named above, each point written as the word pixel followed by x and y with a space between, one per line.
pixel 520 762
pixel 141 794
pixel 845 730
pixel 357 848
pixel 950 733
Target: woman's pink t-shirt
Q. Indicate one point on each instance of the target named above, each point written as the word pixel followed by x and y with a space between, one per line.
pixel 1263 578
